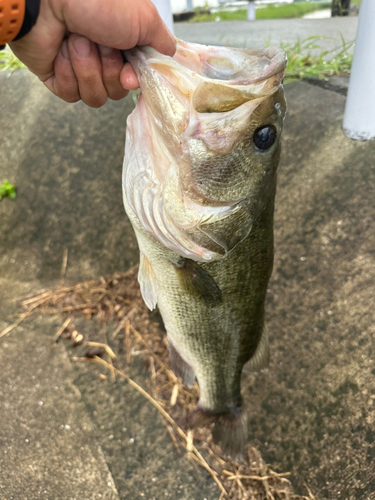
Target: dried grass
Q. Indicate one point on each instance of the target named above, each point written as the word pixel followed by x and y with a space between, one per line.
pixel 117 299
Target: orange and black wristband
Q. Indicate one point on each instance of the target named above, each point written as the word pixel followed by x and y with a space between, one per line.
pixel 17 17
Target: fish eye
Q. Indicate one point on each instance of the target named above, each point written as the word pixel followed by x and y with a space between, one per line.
pixel 264 137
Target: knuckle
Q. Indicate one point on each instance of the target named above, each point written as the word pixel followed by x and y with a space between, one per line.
pixel 116 95
pixel 95 101
pixel 89 78
pixel 112 69
pixel 112 74
pixel 68 94
pixel 72 99
pixel 68 91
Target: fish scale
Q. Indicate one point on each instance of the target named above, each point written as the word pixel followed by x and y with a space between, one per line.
pixel 207 257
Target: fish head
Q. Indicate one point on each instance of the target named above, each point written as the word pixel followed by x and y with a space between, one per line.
pixel 235 122
pixel 214 118
pixel 233 154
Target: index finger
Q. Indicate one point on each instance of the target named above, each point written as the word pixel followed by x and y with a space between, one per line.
pixel 120 24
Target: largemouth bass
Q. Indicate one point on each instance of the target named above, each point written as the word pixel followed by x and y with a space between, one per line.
pixel 199 180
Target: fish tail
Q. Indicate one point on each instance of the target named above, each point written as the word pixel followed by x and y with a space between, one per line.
pixel 230 429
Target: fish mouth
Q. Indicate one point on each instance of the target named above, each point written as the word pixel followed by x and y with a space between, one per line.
pixel 214 79
pixel 232 65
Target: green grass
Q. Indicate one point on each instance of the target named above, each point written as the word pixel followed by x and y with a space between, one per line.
pixel 8 61
pixel 289 10
pixel 7 189
pixel 237 15
pixel 269 12
pixel 302 64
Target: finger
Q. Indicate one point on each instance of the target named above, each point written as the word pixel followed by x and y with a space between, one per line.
pixel 112 65
pixel 128 78
pixel 88 70
pixel 154 32
pixel 120 24
pixel 63 83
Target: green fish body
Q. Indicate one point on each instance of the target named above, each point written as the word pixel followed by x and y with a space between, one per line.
pixel 199 181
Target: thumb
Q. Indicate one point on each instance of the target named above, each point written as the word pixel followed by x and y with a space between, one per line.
pixel 155 33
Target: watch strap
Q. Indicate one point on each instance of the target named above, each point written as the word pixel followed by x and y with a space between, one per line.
pixel 12 13
pixel 31 16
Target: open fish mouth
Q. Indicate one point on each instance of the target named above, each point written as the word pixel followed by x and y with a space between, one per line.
pixel 233 65
pixel 220 78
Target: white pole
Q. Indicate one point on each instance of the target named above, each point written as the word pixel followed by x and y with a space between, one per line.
pixel 359 119
pixel 251 11
pixel 165 12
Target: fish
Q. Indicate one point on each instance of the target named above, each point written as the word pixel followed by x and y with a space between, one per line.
pixel 199 181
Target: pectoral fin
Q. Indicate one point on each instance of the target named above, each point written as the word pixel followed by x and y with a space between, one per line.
pixel 147 282
pixel 197 280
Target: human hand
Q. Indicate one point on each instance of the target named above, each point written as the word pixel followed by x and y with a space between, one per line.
pixel 88 65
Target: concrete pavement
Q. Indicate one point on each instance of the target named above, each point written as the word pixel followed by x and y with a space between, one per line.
pixel 273 31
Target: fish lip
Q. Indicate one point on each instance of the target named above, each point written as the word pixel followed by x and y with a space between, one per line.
pixel 277 57
pixel 277 65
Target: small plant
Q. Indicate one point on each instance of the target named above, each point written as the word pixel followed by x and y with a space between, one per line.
pixel 7 189
pixel 303 64
pixel 8 61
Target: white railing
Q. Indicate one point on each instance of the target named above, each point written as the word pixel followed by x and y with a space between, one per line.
pixel 359 119
pixel 165 11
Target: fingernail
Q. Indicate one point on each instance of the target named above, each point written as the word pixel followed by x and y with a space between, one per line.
pixel 82 46
pixel 104 50
pixel 64 50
